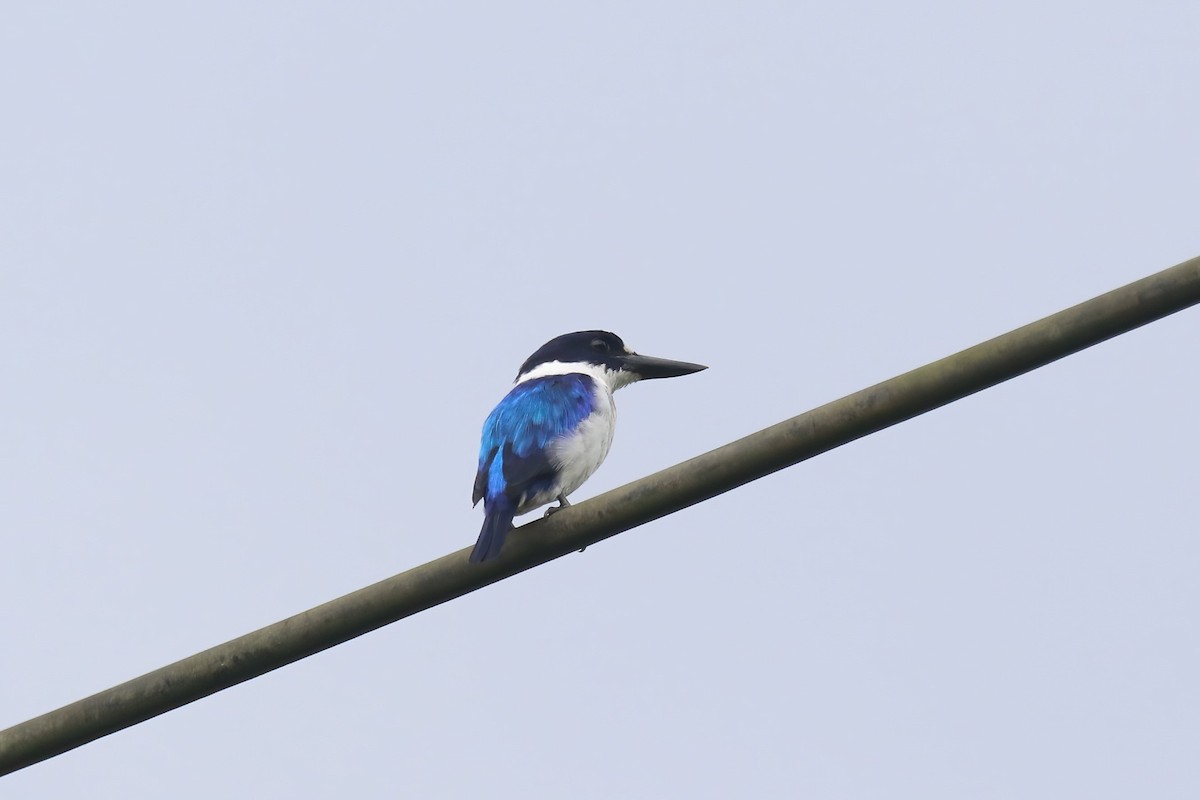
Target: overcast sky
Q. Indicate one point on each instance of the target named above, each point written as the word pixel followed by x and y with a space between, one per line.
pixel 265 268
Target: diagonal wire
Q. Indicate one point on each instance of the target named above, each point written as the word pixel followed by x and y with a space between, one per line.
pixel 594 520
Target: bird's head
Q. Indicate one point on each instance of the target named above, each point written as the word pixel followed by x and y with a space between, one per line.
pixel 600 353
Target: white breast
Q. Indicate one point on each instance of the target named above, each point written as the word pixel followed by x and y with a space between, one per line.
pixel 579 455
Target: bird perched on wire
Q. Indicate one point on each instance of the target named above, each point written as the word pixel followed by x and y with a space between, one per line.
pixel 551 432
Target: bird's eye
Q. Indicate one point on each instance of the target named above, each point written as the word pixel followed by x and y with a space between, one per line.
pixel 600 346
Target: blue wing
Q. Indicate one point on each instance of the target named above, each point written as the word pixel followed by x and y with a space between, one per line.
pixel 513 462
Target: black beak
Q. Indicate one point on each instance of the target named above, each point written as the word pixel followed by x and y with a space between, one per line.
pixel 650 367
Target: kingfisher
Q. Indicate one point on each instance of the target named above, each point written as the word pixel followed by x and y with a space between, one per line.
pixel 553 429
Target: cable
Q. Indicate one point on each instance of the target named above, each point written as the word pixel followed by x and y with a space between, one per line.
pixel 591 521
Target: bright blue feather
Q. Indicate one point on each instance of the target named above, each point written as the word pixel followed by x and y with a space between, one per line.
pixel 514 463
pixel 512 454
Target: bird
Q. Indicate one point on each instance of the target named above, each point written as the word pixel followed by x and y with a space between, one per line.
pixel 554 427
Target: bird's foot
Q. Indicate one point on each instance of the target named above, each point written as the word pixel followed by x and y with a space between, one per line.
pixel 562 503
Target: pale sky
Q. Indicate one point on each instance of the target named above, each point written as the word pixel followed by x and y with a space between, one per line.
pixel 264 270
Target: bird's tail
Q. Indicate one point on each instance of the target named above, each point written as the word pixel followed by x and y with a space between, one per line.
pixel 497 522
